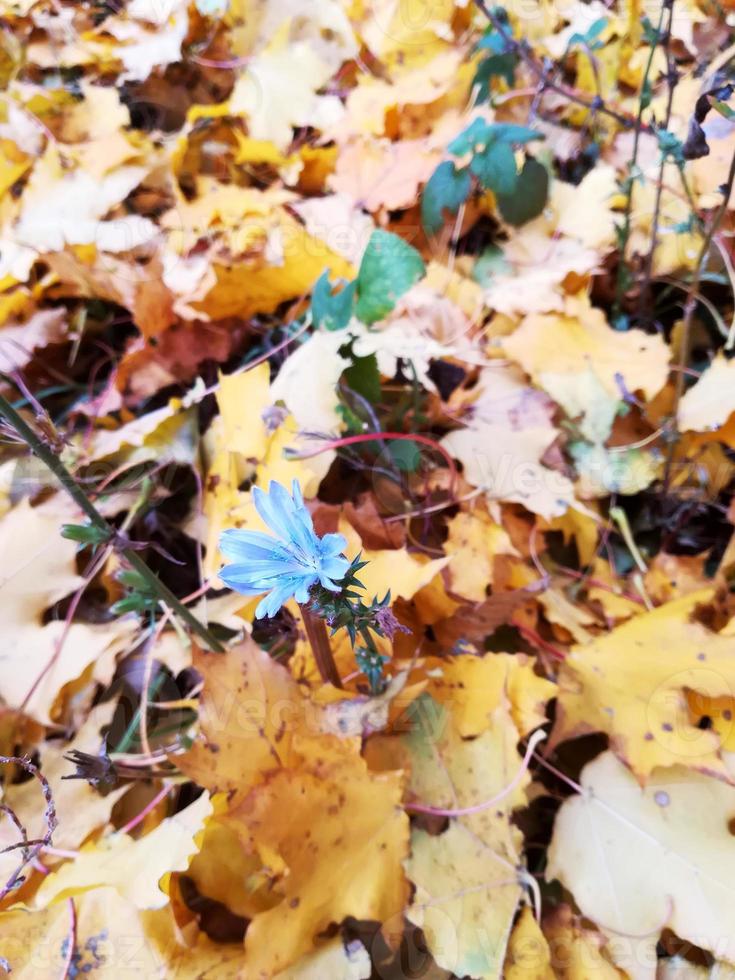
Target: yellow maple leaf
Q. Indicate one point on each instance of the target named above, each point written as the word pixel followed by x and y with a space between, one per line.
pixel 581 340
pixel 474 541
pixel 473 688
pixel 398 571
pixel 622 685
pixel 528 956
pixel 467 882
pixel 253 718
pixel 577 951
pixel 347 861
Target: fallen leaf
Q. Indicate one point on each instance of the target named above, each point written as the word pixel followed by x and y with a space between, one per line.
pixel 474 688
pixel 622 685
pixel 641 859
pixel 39 658
pixel 708 404
pixel 528 955
pixel 474 541
pixel 467 885
pixel 395 570
pixel 137 869
pixel 347 864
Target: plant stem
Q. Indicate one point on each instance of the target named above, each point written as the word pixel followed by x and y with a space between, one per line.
pixel 671 80
pixel 316 631
pixel 691 305
pixel 544 78
pixel 643 103
pixel 53 462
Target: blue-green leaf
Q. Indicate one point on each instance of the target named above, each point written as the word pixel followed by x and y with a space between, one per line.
pixel 477 134
pixel 332 311
pixel 513 133
pixel 446 190
pixel 529 197
pixel 389 267
pixel 495 168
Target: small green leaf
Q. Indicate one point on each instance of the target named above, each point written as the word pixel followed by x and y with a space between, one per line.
pixel 446 190
pixel 133 580
pixel 85 534
pixel 405 453
pixel 490 264
pixel 670 146
pixel 135 602
pixel 477 135
pixel 332 311
pixel 513 133
pixel 590 34
pixel 389 267
pixel 500 62
pixel 495 168
pixel 529 197
pixel 363 377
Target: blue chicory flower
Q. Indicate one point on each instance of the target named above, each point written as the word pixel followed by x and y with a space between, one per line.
pixel 288 564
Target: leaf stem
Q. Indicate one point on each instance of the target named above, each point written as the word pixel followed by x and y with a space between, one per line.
pixel 316 632
pixel 75 491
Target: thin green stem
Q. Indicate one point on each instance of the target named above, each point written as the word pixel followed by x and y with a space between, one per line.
pixel 132 730
pixel 75 491
pixel 643 103
pixel 645 305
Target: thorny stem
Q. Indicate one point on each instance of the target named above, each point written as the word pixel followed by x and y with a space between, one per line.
pixel 52 461
pixel 31 848
pixel 316 632
pixel 545 80
pixel 691 305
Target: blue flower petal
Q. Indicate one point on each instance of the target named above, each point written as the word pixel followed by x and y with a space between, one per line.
pixel 238 578
pixel 288 564
pixel 334 567
pixel 332 544
pixel 247 545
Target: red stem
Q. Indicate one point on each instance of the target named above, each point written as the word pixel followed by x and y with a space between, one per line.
pixel 381 436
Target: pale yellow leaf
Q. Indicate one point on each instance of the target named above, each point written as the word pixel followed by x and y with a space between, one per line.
pixel 135 868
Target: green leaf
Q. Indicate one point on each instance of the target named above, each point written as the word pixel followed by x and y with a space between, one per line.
pixel 133 580
pixel 670 146
pixel 491 263
pixel 529 197
pixel 476 135
pixel 513 133
pixel 590 35
pixel 494 66
pixel 446 190
pixel 389 267
pixel 495 168
pixel 363 377
pixel 480 135
pixel 405 453
pixel 84 533
pixel 332 311
pixel 500 62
